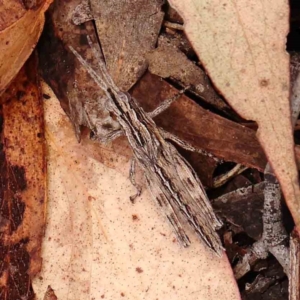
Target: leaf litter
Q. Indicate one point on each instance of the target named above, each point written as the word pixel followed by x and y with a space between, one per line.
pixel 248 63
pixel 105 239
pixel 203 120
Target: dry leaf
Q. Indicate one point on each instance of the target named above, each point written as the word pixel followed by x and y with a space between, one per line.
pixel 99 245
pixel 199 127
pixel 242 46
pixel 168 61
pixel 18 36
pixel 241 207
pixel 10 12
pixel 127 31
pixel 22 184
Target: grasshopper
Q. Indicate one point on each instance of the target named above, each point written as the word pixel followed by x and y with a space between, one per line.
pixel 171 180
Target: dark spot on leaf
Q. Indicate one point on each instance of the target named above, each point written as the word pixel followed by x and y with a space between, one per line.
pixel 264 82
pixel 91 198
pixel 139 270
pixel 135 217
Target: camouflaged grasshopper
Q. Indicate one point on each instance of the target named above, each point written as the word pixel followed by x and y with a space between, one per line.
pixel 172 182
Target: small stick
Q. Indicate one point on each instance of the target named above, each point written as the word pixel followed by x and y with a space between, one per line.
pixel 172 25
pixel 222 179
pixel 294 288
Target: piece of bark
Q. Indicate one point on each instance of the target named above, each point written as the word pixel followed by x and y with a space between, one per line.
pixel 241 207
pixel 236 183
pixel 82 13
pixel 127 31
pixel 168 61
pixel 22 184
pixel 294 66
pixel 270 284
pixel 274 235
pixel 199 127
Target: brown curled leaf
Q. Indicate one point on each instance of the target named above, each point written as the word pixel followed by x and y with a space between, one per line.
pixel 20 29
pixel 127 31
pixel 199 127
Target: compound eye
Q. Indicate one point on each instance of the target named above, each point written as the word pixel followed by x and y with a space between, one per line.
pixel 124 97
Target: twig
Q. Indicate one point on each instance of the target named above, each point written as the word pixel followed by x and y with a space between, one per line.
pixel 222 179
pixel 294 292
pixel 173 25
pixel 295 100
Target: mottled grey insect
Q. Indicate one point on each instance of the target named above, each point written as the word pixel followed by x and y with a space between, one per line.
pixel 172 182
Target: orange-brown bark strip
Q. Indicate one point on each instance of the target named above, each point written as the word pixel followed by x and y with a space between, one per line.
pixel 22 184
